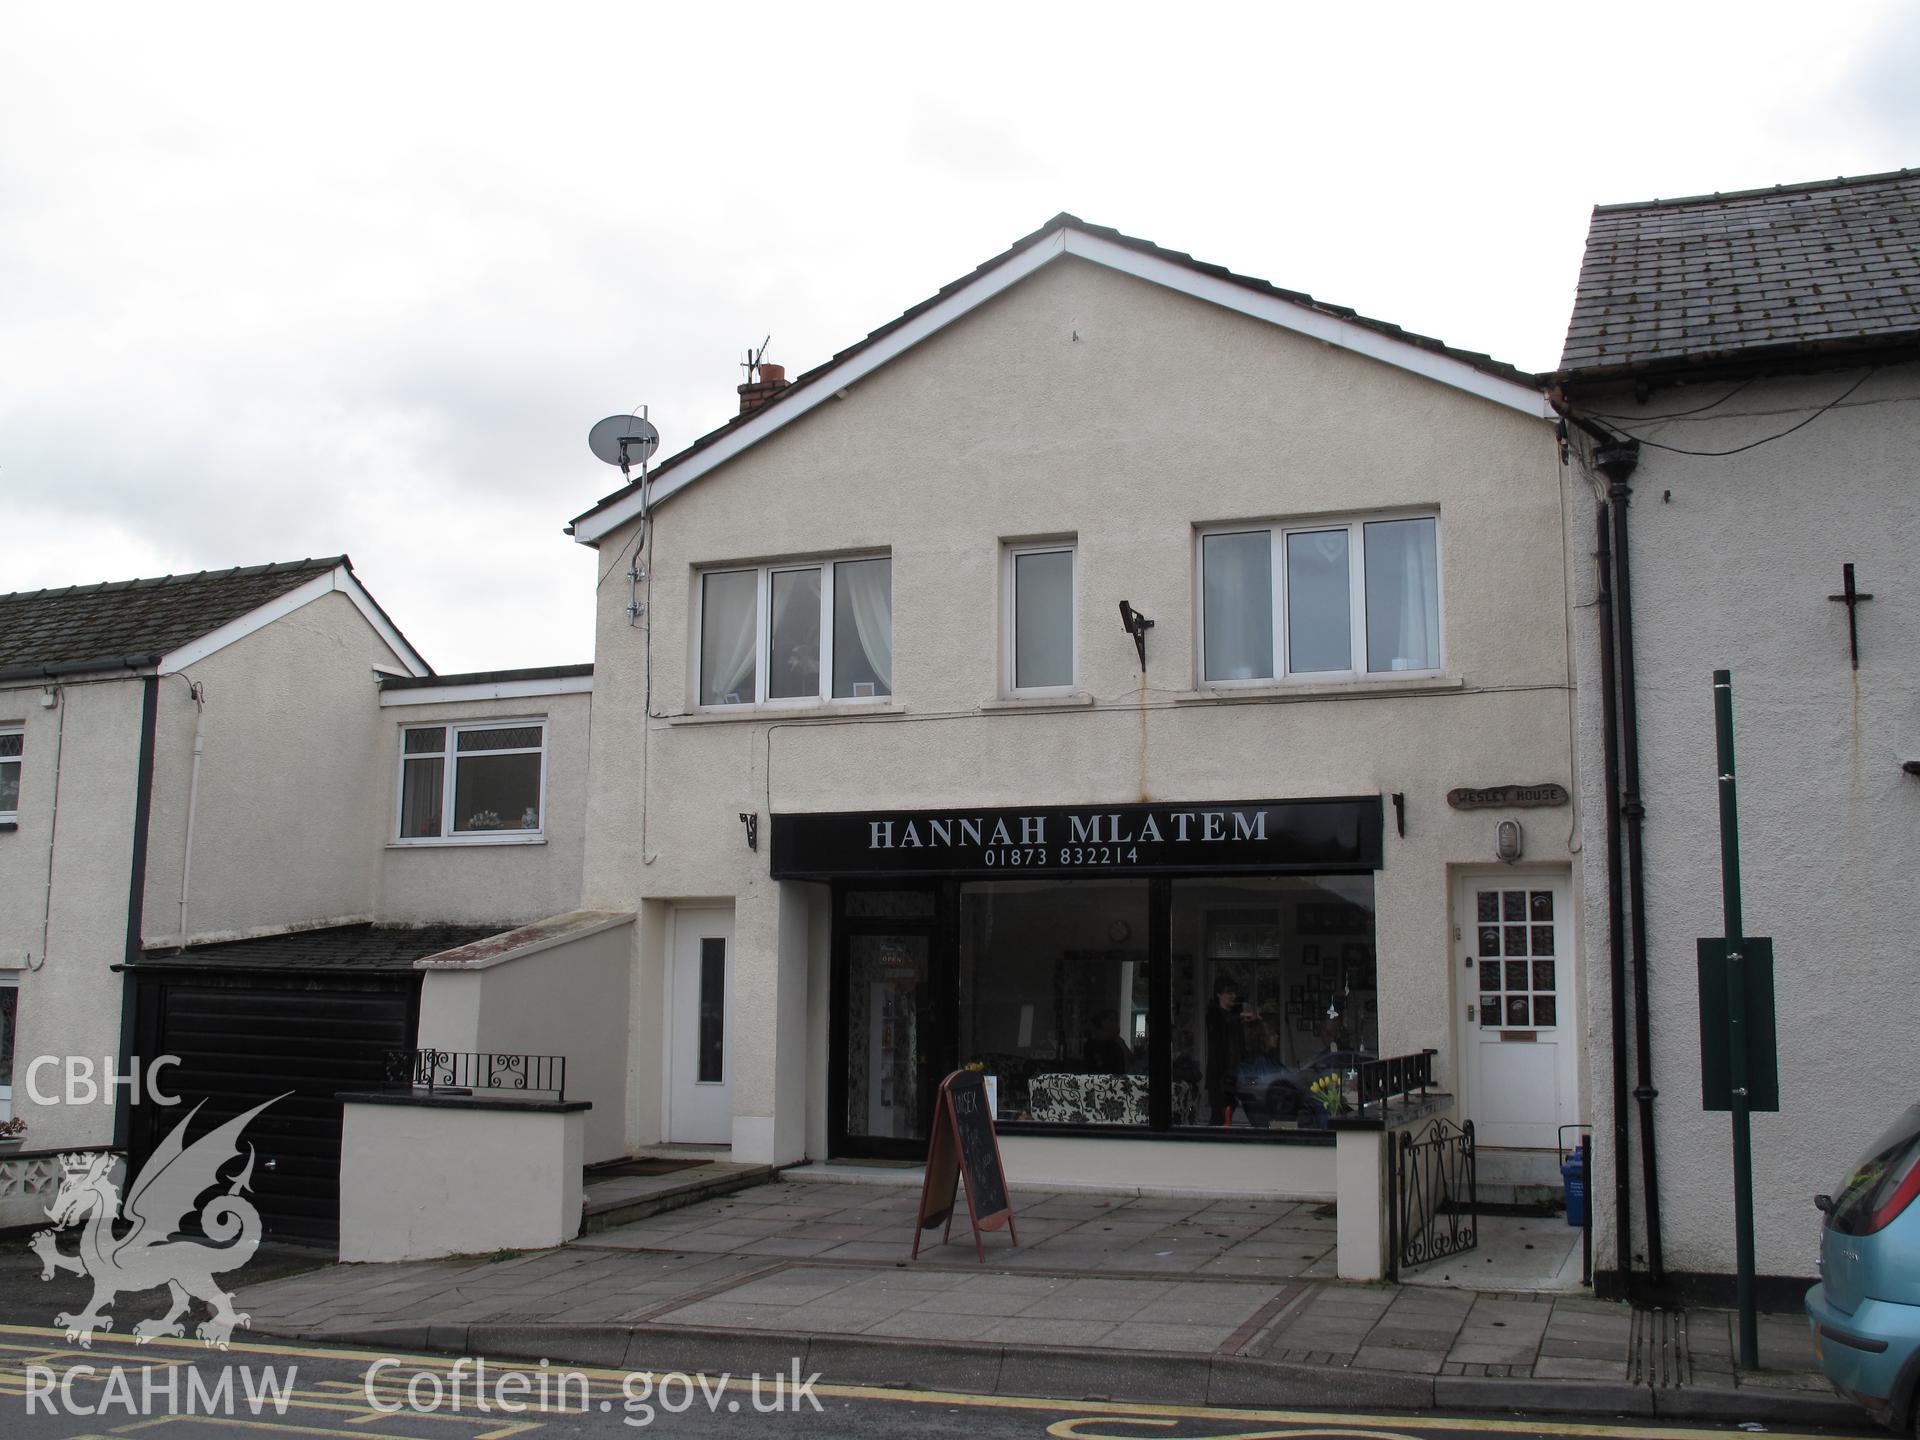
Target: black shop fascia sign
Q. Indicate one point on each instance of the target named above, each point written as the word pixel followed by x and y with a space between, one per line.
pixel 1275 837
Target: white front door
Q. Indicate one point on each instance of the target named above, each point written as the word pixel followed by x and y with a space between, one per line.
pixel 1515 1000
pixel 700 1029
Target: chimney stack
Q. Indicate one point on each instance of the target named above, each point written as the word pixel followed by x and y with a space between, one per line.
pixel 755 393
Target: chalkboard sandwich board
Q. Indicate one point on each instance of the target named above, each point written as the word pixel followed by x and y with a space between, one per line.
pixel 964 1147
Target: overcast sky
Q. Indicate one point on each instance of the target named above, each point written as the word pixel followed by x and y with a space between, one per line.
pixel 281 280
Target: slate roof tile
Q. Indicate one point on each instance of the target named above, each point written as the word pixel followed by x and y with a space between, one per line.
pixel 1715 277
pixel 136 620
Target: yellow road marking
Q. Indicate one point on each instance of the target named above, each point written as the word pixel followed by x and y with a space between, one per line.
pixel 1089 1411
pixel 277 1426
pixel 1072 1431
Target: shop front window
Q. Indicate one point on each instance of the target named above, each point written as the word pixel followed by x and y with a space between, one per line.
pixel 1274 989
pixel 1054 998
pixel 1136 1005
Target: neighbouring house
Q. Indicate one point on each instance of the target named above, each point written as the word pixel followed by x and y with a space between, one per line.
pixel 1142 682
pixel 1743 404
pixel 237 811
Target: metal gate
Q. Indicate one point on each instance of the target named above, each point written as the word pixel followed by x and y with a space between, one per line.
pixel 1432 1195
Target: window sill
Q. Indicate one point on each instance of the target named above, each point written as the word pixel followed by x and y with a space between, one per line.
pixel 781 714
pixel 1074 700
pixel 458 841
pixel 1322 690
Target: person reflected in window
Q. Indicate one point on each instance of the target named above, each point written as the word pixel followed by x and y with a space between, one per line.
pixel 1227 1026
pixel 1104 1052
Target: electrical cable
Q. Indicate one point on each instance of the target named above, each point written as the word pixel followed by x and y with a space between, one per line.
pixel 1679 414
pixel 1764 440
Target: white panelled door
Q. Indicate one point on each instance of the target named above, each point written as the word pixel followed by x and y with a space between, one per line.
pixel 700 1029
pixel 1514 997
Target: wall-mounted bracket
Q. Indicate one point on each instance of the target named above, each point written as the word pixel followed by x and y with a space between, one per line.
pixel 1852 599
pixel 751 820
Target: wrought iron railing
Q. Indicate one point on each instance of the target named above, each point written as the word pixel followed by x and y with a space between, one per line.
pixel 455 1071
pixel 1381 1080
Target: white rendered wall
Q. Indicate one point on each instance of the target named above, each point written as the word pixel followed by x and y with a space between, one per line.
pixel 1188 1167
pixel 1087 403
pixel 288 780
pixel 571 999
pixel 69 996
pixel 418 1182
pixel 468 884
pixel 1733 572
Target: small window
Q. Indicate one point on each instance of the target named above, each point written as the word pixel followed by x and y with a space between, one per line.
pixel 472 782
pixel 1319 600
pixel 713 1011
pixel 796 633
pixel 12 742
pixel 1040 611
pixel 9 1020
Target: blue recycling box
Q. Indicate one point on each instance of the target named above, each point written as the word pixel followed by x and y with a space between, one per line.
pixel 1573 1178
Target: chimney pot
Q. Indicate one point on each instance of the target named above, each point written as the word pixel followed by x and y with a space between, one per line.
pixel 755 393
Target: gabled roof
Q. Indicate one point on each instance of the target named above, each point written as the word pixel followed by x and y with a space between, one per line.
pixel 1068 235
pixel 1827 266
pixel 171 621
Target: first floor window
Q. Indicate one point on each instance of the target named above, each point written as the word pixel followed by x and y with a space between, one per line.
pixel 812 631
pixel 1040 607
pixel 472 781
pixel 12 742
pixel 9 1020
pixel 1330 598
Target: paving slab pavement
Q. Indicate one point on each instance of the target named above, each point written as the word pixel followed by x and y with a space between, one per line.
pixel 1139 1300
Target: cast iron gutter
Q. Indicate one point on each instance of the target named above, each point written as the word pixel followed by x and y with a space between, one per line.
pixel 33 670
pixel 136 894
pixel 1617 462
pixel 1616 921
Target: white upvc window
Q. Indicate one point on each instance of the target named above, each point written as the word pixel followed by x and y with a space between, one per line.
pixel 1319 600
pixel 13 741
pixel 1041 606
pixel 797 633
pixel 472 782
pixel 9 1023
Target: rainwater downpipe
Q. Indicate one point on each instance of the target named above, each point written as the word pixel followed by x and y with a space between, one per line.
pixel 1616 922
pixel 136 895
pixel 1617 461
pixel 199 693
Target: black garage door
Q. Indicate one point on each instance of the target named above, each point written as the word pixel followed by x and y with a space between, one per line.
pixel 243 1038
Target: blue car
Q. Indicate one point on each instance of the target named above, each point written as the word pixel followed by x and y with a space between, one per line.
pixel 1865 1311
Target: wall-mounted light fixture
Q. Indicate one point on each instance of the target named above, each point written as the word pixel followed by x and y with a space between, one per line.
pixel 751 819
pixel 1137 626
pixel 1508 841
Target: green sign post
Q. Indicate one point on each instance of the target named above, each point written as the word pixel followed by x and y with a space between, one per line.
pixel 1737 1053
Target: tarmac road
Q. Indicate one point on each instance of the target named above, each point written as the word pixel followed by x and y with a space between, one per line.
pixel 173 1390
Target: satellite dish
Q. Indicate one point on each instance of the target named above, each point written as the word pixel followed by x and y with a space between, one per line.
pixel 624 440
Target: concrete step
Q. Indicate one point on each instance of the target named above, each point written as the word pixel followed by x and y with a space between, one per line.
pixel 620 1200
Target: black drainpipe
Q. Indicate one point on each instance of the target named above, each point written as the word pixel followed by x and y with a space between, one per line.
pixel 136 901
pixel 1616 922
pixel 1617 462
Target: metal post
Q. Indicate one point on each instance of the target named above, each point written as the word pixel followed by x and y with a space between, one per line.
pixel 1736 1020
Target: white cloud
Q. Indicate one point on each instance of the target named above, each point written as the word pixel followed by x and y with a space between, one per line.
pixel 281 280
